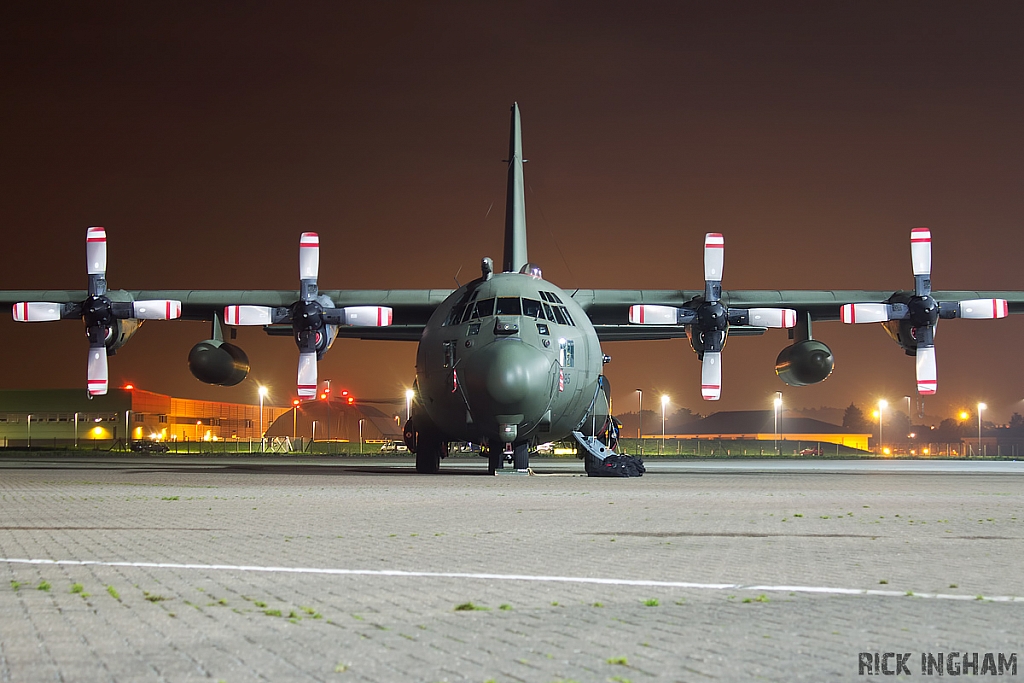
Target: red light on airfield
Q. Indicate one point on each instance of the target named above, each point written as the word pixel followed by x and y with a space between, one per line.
pixel 295 401
pixel 351 400
pixel 323 397
pixel 129 387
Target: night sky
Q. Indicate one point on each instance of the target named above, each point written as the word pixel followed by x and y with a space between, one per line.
pixel 206 136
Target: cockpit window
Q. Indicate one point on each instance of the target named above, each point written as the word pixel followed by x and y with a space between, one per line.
pixel 509 305
pixel 550 296
pixel 560 316
pixel 532 308
pixel 484 308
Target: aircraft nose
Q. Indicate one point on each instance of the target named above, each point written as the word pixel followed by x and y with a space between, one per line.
pixel 508 377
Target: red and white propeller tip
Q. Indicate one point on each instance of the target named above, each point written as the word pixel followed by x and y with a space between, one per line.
pixel 711 376
pixel 714 256
pixel 309 256
pixel 306 382
pixel 97 371
pixel 927 377
pixel 984 309
pixel 156 309
pixel 96 251
pixel 921 251
pixel 35 311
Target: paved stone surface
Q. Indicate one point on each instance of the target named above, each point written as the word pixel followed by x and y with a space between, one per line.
pixel 955 535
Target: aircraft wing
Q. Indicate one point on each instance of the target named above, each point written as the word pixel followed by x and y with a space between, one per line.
pixel 609 309
pixel 411 308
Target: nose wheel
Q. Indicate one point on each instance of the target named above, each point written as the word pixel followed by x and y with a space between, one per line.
pixel 517 455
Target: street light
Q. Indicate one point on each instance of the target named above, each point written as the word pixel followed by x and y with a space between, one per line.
pixel 664 403
pixel 640 420
pixel 361 420
pixel 262 391
pixel 981 407
pixel 409 393
pixel 778 408
pixel 295 414
pixel 882 405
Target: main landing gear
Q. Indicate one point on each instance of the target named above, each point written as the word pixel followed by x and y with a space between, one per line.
pixel 427 444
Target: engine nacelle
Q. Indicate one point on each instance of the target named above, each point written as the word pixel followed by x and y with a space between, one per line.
pixel 805 362
pixel 217 362
pixel 902 332
pixel 119 332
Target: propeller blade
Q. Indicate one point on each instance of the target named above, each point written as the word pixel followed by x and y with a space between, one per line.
pixel 921 260
pixel 644 314
pixel 156 309
pixel 307 375
pixel 97 370
pixel 714 256
pixel 368 316
pixel 983 309
pixel 927 381
pixel 772 317
pixel 35 311
pixel 309 264
pixel 864 313
pixel 711 376
pixel 248 315
pixel 96 260
pixel 96 251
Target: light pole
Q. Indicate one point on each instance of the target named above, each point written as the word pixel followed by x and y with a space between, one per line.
pixel 981 407
pixel 327 395
pixel 882 405
pixel 76 430
pixel 664 403
pixel 778 408
pixel 360 436
pixel 640 420
pixel 409 393
pixel 30 430
pixel 295 415
pixel 262 391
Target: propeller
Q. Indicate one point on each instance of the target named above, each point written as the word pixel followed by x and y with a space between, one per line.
pixel 921 311
pixel 709 319
pixel 98 312
pixel 311 317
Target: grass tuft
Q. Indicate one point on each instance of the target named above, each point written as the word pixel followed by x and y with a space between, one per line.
pixel 44 585
pixel 470 607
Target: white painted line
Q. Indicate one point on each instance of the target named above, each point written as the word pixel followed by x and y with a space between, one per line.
pixel 822 590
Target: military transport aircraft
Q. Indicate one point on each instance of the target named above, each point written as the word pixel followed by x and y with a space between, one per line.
pixel 510 359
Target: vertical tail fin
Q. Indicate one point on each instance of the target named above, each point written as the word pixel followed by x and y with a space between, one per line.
pixel 515 201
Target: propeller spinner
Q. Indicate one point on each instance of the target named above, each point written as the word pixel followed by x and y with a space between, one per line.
pixel 98 312
pixel 709 319
pixel 922 311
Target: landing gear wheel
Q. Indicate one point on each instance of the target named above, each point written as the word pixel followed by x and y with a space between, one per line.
pixel 521 456
pixel 495 459
pixel 428 456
